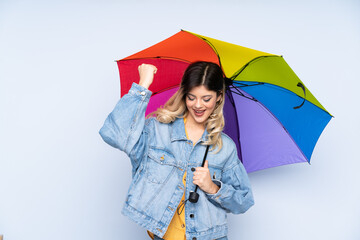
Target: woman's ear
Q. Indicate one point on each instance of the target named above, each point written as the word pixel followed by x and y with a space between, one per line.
pixel 219 97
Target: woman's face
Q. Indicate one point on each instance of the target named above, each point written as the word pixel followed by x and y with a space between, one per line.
pixel 200 103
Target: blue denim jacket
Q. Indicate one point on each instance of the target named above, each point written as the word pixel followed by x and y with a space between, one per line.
pixel 160 154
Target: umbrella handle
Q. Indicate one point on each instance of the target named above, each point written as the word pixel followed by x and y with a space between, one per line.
pixel 194 196
pixel 303 88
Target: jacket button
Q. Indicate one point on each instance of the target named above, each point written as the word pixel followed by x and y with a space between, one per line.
pixel 192 215
pixel 193 169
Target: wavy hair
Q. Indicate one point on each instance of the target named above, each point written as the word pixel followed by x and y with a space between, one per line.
pixel 196 74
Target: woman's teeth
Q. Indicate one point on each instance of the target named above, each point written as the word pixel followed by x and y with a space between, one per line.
pixel 198 112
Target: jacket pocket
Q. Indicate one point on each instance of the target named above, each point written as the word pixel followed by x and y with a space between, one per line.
pixel 160 165
pixel 215 172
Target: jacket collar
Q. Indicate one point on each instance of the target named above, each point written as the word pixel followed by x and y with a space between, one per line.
pixel 178 131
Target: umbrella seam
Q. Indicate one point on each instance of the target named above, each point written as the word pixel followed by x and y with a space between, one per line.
pixel 247 64
pixel 237 121
pixel 286 91
pixel 279 122
pixel 165 89
pixel 213 47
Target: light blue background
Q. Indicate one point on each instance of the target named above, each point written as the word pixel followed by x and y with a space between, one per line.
pixel 58 82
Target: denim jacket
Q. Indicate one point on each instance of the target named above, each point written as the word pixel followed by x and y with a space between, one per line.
pixel 160 154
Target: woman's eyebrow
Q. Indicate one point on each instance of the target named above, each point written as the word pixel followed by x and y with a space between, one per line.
pixel 202 96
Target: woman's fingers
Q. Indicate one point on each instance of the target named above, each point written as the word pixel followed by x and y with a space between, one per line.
pixel 146 73
pixel 147 67
pixel 201 177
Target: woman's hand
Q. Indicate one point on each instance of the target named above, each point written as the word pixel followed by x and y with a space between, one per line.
pixel 202 178
pixel 146 72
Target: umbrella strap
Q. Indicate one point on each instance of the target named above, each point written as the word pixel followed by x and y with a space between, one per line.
pixel 303 88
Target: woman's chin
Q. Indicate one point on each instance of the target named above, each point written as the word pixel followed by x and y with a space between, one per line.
pixel 200 120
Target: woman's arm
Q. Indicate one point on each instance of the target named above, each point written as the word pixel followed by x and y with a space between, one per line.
pixel 235 193
pixel 124 126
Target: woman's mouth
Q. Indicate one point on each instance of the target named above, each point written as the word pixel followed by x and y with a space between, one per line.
pixel 199 113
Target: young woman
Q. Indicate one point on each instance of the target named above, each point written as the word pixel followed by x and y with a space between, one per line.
pixel 167 151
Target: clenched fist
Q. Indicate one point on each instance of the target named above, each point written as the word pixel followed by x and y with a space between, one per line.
pixel 202 178
pixel 146 73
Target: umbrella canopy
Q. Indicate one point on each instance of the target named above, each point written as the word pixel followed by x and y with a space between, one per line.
pixel 269 113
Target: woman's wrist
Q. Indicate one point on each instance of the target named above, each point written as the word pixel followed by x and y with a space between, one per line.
pixel 215 189
pixel 144 84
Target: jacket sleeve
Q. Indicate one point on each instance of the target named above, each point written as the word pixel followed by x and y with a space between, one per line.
pixel 234 194
pixel 124 127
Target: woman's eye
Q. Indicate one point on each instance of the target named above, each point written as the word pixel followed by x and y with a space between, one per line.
pixel 206 100
pixel 191 99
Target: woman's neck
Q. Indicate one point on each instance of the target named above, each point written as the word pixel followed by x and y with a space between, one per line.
pixel 193 129
pixel 192 124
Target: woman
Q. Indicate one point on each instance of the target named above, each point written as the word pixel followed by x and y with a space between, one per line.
pixel 166 153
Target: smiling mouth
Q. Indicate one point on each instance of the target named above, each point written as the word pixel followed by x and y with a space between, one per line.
pixel 199 112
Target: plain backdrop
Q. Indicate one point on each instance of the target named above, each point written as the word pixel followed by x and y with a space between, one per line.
pixel 59 81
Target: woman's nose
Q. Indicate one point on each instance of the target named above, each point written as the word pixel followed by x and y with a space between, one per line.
pixel 198 103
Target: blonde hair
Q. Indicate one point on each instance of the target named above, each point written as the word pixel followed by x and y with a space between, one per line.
pixel 197 74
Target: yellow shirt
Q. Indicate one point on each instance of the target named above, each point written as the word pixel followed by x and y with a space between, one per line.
pixel 176 229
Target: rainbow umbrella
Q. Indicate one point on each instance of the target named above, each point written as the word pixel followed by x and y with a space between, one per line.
pixel 269 113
